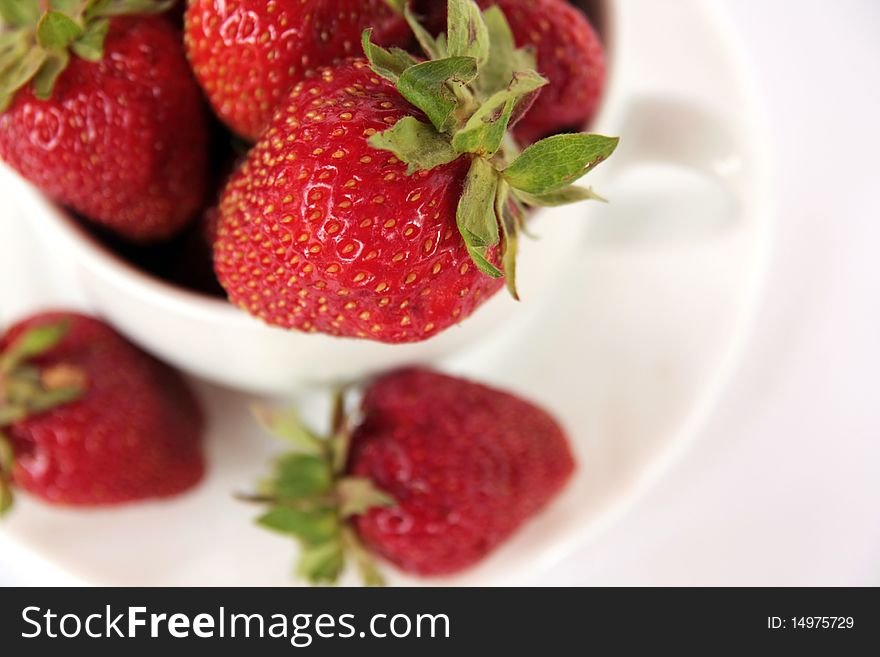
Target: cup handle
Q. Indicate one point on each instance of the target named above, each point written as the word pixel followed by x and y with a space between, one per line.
pixel 658 129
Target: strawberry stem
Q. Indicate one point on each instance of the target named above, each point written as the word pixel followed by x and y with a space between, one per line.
pixel 366 565
pixel 475 85
pixel 26 390
pixel 397 6
pixel 7 461
pixel 31 344
pixel 38 37
pixel 311 498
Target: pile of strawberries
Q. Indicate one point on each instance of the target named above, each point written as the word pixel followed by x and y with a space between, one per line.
pixel 358 168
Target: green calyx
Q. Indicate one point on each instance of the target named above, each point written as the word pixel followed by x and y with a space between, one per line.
pixel 310 498
pixel 473 88
pixel 26 390
pixel 37 38
pixel 397 5
pixel 7 461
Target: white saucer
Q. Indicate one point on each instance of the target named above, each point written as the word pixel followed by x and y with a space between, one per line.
pixel 631 354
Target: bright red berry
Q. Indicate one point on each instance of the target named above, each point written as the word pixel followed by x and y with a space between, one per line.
pixel 122 140
pixel 322 232
pixel 247 54
pixel 433 474
pixel 569 54
pixel 466 465
pixel 130 431
pixel 384 201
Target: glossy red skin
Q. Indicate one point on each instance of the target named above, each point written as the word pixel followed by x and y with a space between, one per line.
pixel 135 434
pixel 321 232
pixel 569 54
pixel 467 466
pixel 247 54
pixel 122 141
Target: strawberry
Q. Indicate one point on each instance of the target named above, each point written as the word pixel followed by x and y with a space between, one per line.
pixel 384 199
pixel 569 54
pixel 440 472
pixel 88 419
pixel 102 114
pixel 321 232
pixel 247 54
pixel 467 465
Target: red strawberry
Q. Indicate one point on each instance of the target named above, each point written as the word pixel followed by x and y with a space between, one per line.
pixel 346 243
pixel 383 200
pixel 466 464
pixel 247 54
pixel 569 54
pixel 441 471
pixel 91 419
pixel 121 134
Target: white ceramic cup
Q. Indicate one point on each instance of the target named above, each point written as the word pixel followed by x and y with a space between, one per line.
pixel 210 338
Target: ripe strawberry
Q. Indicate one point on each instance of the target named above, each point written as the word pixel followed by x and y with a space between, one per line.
pixel 441 471
pixel 88 419
pixel 117 130
pixel 247 54
pixel 466 464
pixel 569 54
pixel 322 232
pixel 384 201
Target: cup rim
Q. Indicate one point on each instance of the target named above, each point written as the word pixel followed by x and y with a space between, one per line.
pixel 122 273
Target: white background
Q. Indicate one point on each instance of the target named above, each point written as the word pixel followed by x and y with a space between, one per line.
pixel 783 486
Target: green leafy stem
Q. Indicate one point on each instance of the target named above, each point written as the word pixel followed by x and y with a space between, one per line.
pixel 474 86
pixel 311 498
pixel 26 390
pixel 38 38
